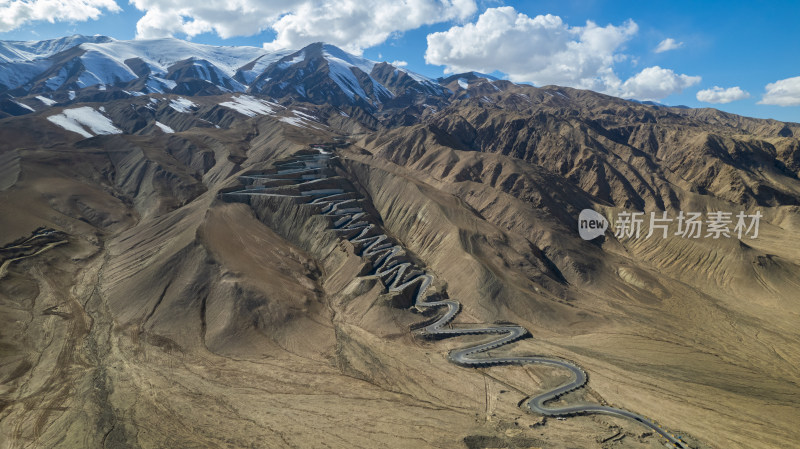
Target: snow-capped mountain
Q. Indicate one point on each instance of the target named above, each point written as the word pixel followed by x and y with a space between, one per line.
pixel 99 68
pixel 322 73
pixel 25 51
pixel 145 66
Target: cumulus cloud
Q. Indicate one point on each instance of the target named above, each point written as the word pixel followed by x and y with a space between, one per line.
pixel 542 49
pixel 783 92
pixel 721 95
pixel 653 83
pixel 545 50
pixel 351 24
pixel 358 24
pixel 667 45
pixel 15 13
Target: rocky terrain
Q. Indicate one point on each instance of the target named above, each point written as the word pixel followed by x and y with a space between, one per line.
pixel 139 308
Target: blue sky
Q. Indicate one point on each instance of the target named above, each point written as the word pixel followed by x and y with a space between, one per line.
pixel 726 44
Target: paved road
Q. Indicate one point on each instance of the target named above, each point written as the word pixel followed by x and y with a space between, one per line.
pixel 398 273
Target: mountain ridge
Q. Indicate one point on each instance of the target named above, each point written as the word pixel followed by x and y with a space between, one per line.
pixel 171 65
pixel 99 68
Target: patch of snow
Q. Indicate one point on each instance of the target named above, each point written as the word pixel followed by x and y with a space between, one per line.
pixel 304 115
pixel 341 74
pixel 209 72
pixel 84 121
pixel 343 114
pixel 165 128
pixel 24 106
pixel 156 84
pixel 69 125
pixel 417 77
pixel 102 87
pixel 463 83
pixel 204 71
pixel 333 53
pixel 88 79
pixel 95 121
pixel 102 109
pixel 340 66
pixel 182 105
pixel 302 120
pixel 18 74
pixel 380 90
pixel 248 75
pixel 250 106
pixel 54 82
pixel 104 68
pixel 432 85
pixel 45 100
pixel 71 95
pixel 299 58
pixel 294 121
pixel 261 64
pixel 134 93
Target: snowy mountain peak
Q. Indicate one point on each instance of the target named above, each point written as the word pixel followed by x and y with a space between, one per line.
pixel 99 67
pixel 323 73
pixel 25 51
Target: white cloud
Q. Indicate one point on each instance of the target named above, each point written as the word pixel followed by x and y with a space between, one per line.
pixel 667 45
pixel 721 95
pixel 351 24
pixel 542 50
pixel 545 50
pixel 783 92
pixel 399 63
pixel 653 83
pixel 15 13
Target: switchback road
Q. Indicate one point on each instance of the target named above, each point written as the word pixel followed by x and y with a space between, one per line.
pixel 301 178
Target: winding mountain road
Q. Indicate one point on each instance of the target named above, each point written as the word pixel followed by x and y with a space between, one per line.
pixel 298 177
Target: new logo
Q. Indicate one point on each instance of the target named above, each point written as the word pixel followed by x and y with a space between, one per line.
pixel 591 224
